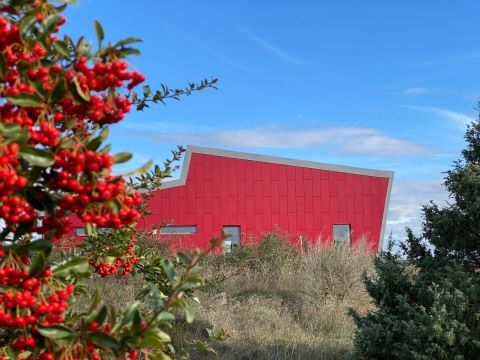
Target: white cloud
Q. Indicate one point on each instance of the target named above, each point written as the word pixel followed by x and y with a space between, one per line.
pixel 408 197
pixel 454 116
pixel 347 140
pixel 417 91
pixel 159 126
pixel 270 47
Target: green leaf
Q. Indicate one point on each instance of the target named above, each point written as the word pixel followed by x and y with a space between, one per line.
pixel 62 48
pixel 74 267
pixel 39 90
pixel 128 40
pixel 189 316
pixel 112 315
pixel 89 230
pixel 99 32
pixel 27 24
pixel 48 24
pixel 11 130
pixel 97 297
pixel 124 52
pixel 156 341
pixel 136 320
pixel 95 143
pixel 37 157
pixel 165 316
pixel 102 315
pixel 182 258
pixel 116 205
pixel 147 91
pixel 82 96
pixel 73 2
pixel 44 246
pixel 68 144
pixel 38 264
pixel 129 314
pixel 20 136
pixel 59 90
pixel 140 170
pixel 169 269
pixel 55 331
pixel 104 341
pixel 3 65
pixel 24 100
pixel 122 157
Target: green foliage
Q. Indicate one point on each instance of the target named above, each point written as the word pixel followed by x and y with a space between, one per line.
pixel 428 299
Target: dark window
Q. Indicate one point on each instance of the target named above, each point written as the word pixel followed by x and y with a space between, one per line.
pixel 179 229
pixel 341 234
pixel 233 239
pixel 80 231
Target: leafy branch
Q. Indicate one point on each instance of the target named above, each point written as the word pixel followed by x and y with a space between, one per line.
pixel 165 93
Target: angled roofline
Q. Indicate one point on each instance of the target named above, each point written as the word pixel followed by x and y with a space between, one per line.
pixel 268 159
pixel 285 161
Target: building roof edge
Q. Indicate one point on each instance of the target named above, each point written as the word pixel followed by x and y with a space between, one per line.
pixel 286 161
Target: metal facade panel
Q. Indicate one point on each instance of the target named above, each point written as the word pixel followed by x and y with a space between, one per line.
pixel 259 196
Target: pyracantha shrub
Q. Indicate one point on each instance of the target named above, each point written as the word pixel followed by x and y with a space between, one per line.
pixel 57 98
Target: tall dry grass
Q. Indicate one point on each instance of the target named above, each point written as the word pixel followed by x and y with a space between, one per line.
pixel 280 304
pixel 275 301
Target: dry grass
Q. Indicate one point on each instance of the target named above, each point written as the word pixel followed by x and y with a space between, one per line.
pixel 284 305
pixel 275 302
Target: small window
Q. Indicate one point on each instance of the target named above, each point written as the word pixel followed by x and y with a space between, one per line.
pixel 341 234
pixel 233 239
pixel 80 231
pixel 178 229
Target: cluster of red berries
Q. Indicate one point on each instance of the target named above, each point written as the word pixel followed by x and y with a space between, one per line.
pixel 124 262
pixel 18 89
pixel 76 161
pixel 106 111
pixel 57 223
pixel 102 76
pixel 24 303
pixel 13 209
pixel 8 33
pixel 99 77
pixel 47 128
pixel 12 115
pixel 8 161
pixel 22 343
pixel 45 134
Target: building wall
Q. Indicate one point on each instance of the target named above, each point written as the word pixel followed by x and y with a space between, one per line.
pixel 259 196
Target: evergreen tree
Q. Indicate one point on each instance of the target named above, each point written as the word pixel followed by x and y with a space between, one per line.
pixel 428 296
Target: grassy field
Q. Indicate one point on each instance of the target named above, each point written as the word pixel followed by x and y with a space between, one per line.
pixel 275 302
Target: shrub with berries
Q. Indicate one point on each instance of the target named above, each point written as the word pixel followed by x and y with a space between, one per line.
pixel 57 98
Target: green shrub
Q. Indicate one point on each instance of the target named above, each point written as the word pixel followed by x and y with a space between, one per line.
pixel 427 298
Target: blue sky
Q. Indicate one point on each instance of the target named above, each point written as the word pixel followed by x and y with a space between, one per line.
pixel 380 84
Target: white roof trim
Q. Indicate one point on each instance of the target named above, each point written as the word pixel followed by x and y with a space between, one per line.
pixel 268 159
pixel 381 242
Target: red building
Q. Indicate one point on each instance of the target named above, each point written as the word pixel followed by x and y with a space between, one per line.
pixel 248 195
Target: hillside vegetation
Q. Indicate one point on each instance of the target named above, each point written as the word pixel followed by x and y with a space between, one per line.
pixel 272 300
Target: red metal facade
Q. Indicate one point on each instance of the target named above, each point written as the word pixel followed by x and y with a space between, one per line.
pixel 260 195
